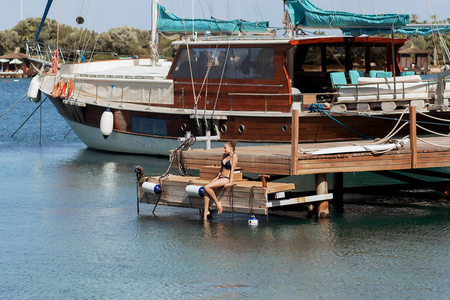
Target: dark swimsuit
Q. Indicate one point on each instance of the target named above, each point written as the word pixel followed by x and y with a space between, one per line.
pixel 226 166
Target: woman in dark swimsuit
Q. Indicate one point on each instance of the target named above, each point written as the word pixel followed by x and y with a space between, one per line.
pixel 223 179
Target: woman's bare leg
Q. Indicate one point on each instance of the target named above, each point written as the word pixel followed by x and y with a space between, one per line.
pixel 206 207
pixel 209 189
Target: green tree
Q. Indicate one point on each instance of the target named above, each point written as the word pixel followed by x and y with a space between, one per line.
pixel 9 40
pixel 123 39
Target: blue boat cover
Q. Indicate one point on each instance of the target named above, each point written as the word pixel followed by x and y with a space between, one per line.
pixel 303 13
pixel 168 22
pixel 404 30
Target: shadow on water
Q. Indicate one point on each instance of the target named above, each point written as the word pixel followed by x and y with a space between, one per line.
pixel 122 163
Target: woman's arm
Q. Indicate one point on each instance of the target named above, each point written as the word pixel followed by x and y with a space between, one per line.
pixel 233 166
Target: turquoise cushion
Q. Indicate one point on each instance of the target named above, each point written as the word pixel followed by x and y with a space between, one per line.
pixel 407 73
pixel 354 75
pixel 338 79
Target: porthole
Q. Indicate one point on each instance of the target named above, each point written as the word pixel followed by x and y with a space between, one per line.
pixel 223 128
pixel 183 126
pixel 284 128
pixel 241 128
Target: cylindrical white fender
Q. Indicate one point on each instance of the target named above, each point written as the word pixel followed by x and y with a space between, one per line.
pixel 152 188
pixel 107 123
pixel 195 191
pixel 34 92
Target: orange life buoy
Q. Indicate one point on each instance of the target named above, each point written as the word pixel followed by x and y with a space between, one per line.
pixel 69 89
pixel 56 89
pixel 63 89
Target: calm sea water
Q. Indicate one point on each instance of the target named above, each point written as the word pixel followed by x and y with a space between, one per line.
pixel 69 230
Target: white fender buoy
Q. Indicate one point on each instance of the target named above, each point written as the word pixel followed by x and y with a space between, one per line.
pixel 107 123
pixel 34 92
pixel 195 191
pixel 253 221
pixel 152 188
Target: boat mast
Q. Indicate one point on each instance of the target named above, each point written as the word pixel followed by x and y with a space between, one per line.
pixel 154 40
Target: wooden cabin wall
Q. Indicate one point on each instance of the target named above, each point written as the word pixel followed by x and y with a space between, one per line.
pixel 184 96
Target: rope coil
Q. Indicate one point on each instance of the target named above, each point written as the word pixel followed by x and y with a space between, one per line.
pixel 177 156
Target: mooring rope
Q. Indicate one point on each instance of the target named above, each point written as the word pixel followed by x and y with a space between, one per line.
pixel 432 117
pixel 339 122
pixel 433 132
pixel 177 156
pixel 397 145
pixel 40 104
pixel 386 118
pixel 14 105
pixel 392 133
pixel 431 143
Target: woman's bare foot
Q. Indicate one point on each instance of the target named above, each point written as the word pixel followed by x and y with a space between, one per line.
pixel 205 215
pixel 219 208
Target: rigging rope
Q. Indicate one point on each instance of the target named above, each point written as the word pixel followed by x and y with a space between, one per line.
pixel 432 33
pixel 190 69
pixel 220 83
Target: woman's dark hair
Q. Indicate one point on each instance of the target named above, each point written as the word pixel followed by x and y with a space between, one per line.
pixel 232 145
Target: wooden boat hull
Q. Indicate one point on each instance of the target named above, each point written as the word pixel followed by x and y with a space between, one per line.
pixel 155 132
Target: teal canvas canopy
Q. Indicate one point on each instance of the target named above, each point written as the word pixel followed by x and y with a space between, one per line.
pixel 304 13
pixel 168 22
pixel 403 30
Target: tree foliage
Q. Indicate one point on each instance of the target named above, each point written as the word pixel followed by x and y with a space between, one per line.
pixel 9 40
pixel 127 41
pixel 121 41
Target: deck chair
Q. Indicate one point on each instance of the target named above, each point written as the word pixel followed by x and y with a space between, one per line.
pixel 354 75
pixel 384 74
pixel 337 80
pixel 373 73
pixel 407 73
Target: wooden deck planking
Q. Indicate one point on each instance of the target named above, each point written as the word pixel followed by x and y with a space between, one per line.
pixel 275 159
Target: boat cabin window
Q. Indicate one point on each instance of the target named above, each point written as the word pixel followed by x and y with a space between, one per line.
pixel 335 59
pixel 378 58
pixel 311 59
pixel 149 126
pixel 358 58
pixel 233 63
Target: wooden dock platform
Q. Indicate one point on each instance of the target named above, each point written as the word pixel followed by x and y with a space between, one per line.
pixel 276 160
pixel 297 159
pixel 245 196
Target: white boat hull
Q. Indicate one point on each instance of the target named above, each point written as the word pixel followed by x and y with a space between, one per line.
pixel 135 144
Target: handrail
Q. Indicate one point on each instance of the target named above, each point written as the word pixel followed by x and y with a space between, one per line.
pixel 428 85
pixel 261 94
pixel 232 84
pixel 38 49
